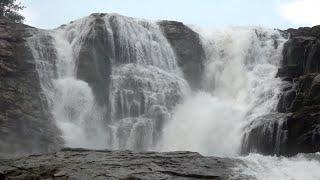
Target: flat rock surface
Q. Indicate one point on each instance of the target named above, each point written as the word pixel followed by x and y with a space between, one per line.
pixel 90 164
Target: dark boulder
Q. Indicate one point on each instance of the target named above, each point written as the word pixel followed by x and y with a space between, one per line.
pixel 188 49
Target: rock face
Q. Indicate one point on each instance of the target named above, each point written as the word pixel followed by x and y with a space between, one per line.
pixel 300 103
pixel 87 164
pixel 302 125
pixel 188 49
pixel 301 53
pixel 94 61
pixel 25 124
pixel 266 135
pixel 301 60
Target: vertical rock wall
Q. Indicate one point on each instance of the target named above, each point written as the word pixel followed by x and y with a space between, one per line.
pixel 25 123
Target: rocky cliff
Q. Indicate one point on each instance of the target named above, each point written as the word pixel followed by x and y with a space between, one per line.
pixel 296 128
pixel 301 98
pixel 25 123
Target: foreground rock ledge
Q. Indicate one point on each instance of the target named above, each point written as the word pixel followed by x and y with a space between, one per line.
pixel 90 164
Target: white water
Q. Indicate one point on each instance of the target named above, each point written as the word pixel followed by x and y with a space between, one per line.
pixel 281 168
pixel 239 85
pixel 146 83
pixel 71 101
pixel 205 124
pixel 142 98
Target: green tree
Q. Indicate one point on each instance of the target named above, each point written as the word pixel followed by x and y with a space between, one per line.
pixel 10 8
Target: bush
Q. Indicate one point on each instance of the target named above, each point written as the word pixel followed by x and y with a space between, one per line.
pixel 10 8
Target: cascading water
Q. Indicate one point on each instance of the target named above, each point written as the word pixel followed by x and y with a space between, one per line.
pixel 142 98
pixel 145 103
pixel 146 83
pixel 71 100
pixel 239 85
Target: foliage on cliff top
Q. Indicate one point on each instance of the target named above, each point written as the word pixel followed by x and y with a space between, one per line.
pixel 10 9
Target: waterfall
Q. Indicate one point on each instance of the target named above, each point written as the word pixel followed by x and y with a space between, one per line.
pixel 146 84
pixel 134 95
pixel 145 81
pixel 239 85
pixel 114 82
pixel 71 100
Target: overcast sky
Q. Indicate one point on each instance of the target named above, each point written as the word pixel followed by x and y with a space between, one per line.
pixel 206 13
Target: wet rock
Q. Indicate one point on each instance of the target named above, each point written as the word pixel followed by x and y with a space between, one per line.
pixel 301 100
pixel 304 92
pixel 303 129
pixel 88 164
pixel 301 54
pixel 266 135
pixel 94 61
pixel 286 101
pixel 188 49
pixel 303 125
pixel 299 128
